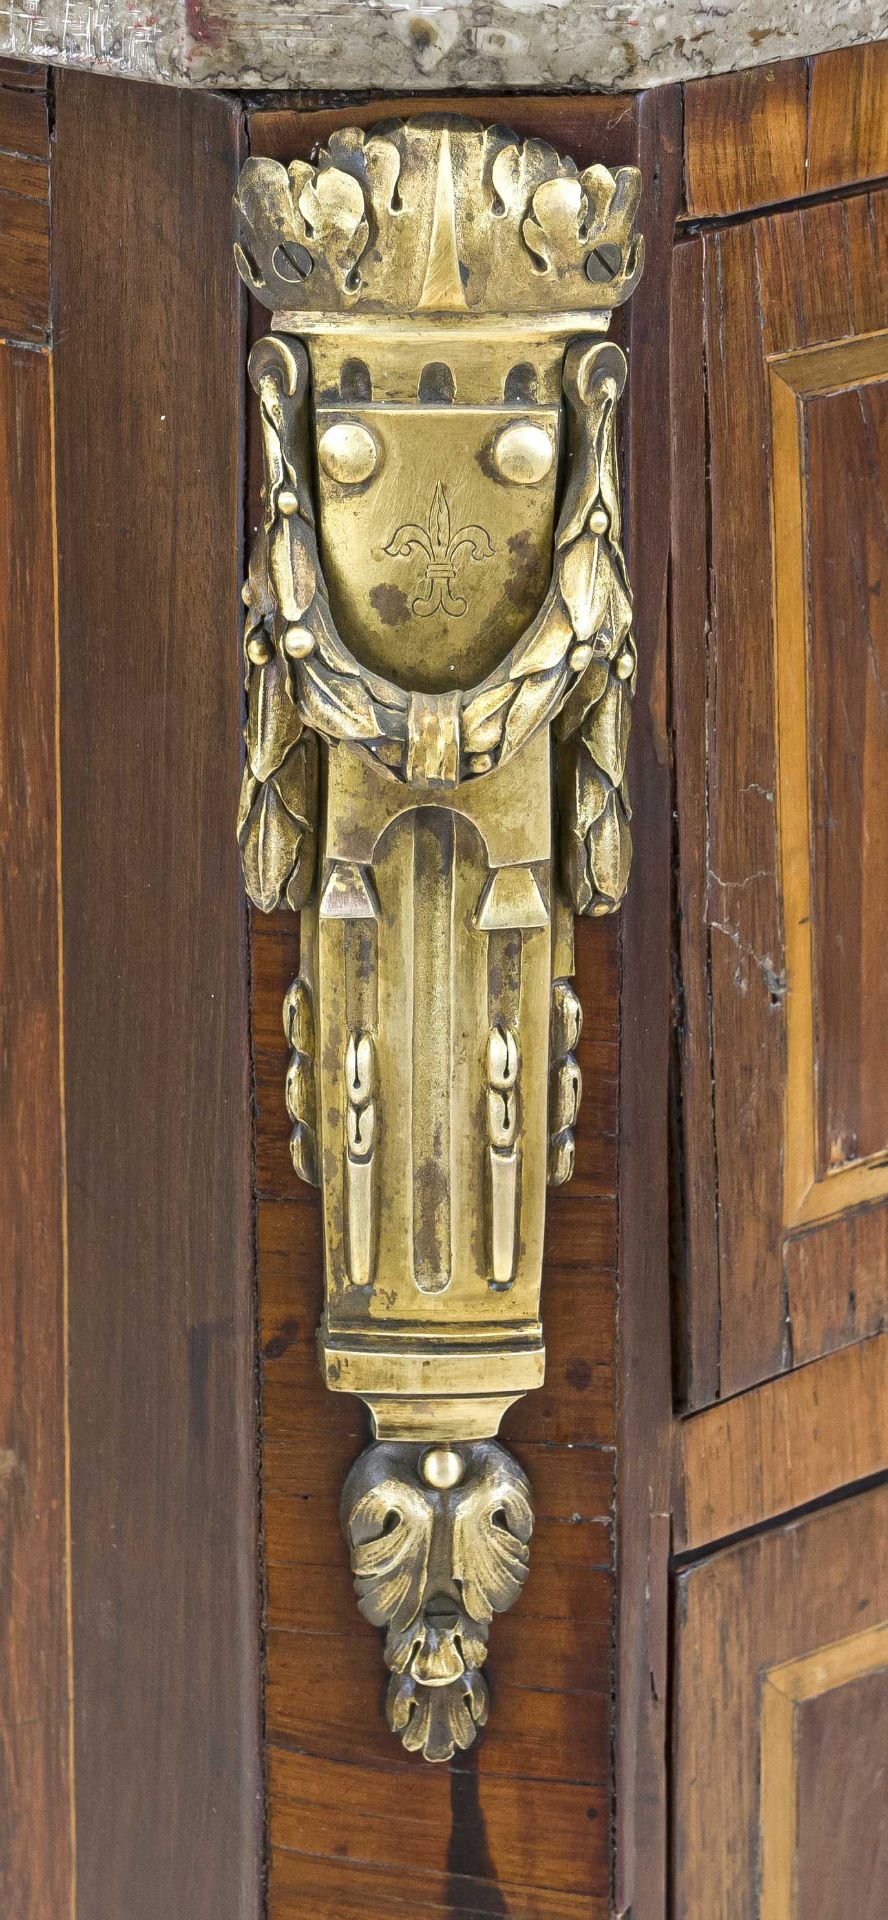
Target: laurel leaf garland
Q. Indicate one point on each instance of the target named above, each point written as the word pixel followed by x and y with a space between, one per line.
pixel 292 569
pixel 273 723
pixel 605 731
pixel 547 642
pixel 585 579
pixel 336 705
pixel 536 699
pixel 609 855
pixel 248 792
pixel 270 848
pixel 549 671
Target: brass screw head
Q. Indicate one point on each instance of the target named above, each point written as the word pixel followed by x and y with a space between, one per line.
pixel 523 453
pixel 348 452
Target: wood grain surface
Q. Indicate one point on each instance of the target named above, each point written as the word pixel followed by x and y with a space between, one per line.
pixel 826 423
pixel 848 118
pixel 163 1475
pixel 745 139
pixel 779 133
pixel 24 209
pixel 191 1244
pixel 814 1594
pixel 847 476
pixel 23 73
pixel 695 1181
pixel 520 1824
pixel 841 1765
pixel 345 1890
pixel 644 1379
pixel 782 1445
pixel 830 1307
pixel 765 293
pixel 36 1837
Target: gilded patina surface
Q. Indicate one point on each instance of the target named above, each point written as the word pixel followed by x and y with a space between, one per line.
pixel 440 670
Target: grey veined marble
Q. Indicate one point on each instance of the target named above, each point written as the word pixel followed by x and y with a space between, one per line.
pixel 586 45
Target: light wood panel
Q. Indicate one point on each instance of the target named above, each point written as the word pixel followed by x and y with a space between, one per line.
pixel 848 117
pixel 345 1890
pixel 745 139
pixel 778 133
pixel 836 1296
pixel 783 1444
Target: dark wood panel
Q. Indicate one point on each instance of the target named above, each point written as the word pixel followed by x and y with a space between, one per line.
pixel 743 918
pixel 508 1828
pixel 644 1385
pixel 779 133
pixel 788 310
pixel 24 213
pixel 24 123
pixel 575 1603
pixel 842 1861
pixel 566 1557
pixel 847 470
pixel 600 127
pixel 830 1307
pixel 23 73
pixel 694 1176
pixel 150 373
pixel 762 1631
pixel 35 1824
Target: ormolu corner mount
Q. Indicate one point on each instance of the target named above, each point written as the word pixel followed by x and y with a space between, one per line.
pixel 440 670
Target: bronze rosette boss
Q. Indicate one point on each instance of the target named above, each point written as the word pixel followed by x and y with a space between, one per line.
pixel 440 671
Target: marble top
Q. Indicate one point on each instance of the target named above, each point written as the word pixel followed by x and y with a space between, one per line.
pixel 544 45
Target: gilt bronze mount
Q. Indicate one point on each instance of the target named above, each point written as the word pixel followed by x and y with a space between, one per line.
pixel 440 669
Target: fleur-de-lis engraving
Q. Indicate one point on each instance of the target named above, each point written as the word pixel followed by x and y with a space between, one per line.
pixel 442 549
